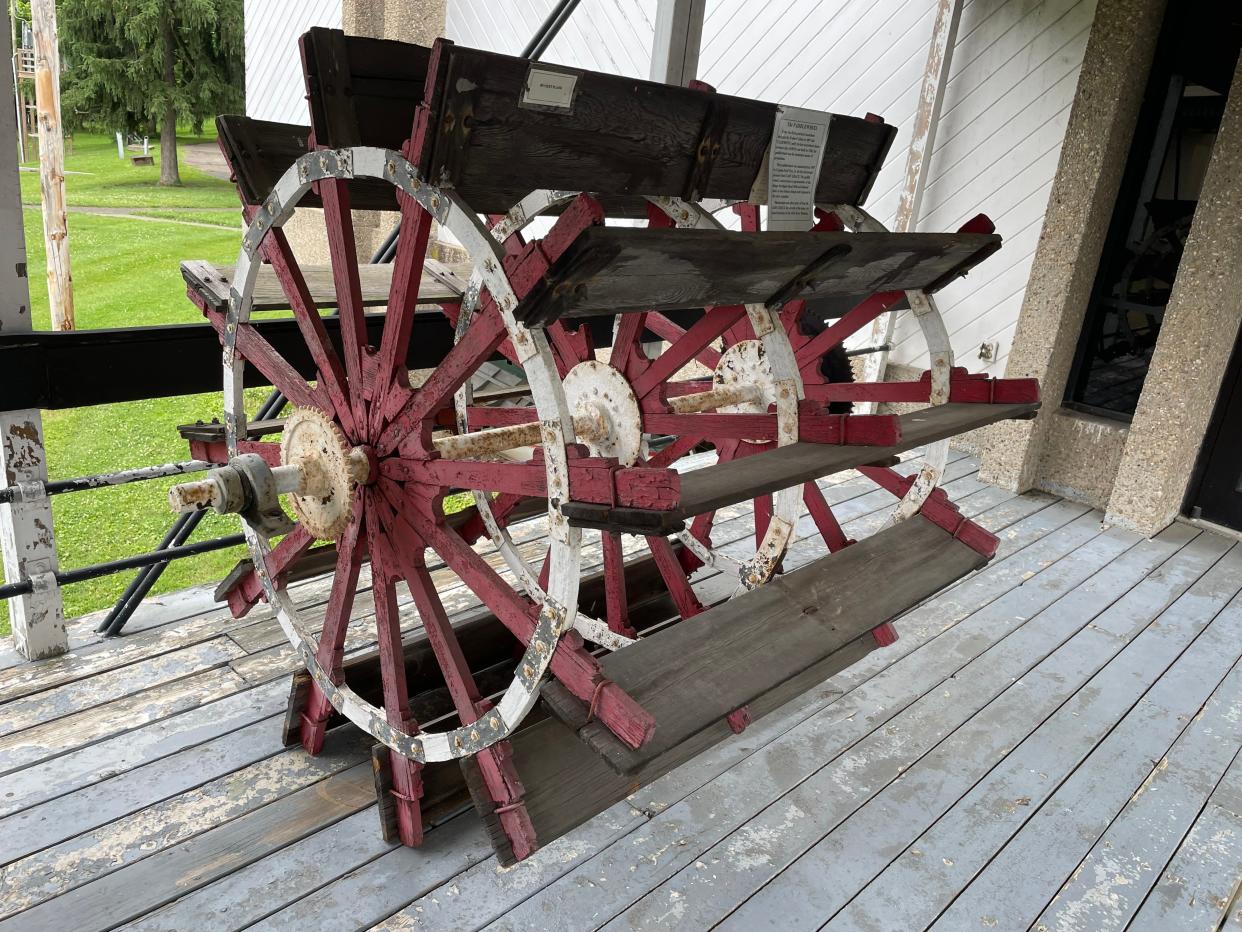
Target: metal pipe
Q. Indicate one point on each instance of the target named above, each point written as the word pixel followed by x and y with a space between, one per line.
pixel 548 30
pixel 125 476
pixel 864 350
pixel 185 525
pixel 96 570
pixel 148 576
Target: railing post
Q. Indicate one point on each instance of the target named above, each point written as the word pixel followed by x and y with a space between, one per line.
pixel 26 536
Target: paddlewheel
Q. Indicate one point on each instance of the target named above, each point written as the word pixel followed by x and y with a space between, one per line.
pixel 675 383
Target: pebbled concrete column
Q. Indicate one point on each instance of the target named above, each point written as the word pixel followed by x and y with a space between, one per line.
pixel 1093 157
pixel 1196 339
pixel 419 21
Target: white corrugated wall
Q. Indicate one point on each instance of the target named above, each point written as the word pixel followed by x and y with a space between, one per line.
pixel 274 88
pixel 1014 70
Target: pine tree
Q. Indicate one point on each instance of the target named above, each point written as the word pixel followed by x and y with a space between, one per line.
pixel 143 64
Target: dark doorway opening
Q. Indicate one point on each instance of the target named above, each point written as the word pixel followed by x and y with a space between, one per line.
pixel 1216 488
pixel 1177 126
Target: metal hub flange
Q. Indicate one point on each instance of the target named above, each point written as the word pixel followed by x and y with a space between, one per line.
pixel 331 470
pixel 745 365
pixel 595 390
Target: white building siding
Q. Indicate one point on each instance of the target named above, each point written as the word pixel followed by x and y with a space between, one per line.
pixel 613 36
pixel 1015 68
pixel 274 87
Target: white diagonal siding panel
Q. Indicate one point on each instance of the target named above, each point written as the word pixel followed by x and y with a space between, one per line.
pixel 274 87
pixel 1015 67
pixel 612 36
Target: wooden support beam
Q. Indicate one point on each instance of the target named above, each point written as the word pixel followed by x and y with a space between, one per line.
pixel 52 163
pixel 26 532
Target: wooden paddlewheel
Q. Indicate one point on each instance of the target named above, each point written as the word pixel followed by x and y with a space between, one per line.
pixel 641 348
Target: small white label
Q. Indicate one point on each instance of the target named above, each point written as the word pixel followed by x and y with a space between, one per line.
pixel 544 88
pixel 793 164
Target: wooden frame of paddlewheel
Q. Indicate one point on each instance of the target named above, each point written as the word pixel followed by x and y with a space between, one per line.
pixel 641 348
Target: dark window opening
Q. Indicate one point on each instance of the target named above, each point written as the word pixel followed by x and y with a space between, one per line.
pixel 1173 138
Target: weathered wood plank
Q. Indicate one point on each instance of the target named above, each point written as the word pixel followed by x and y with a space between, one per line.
pixel 83 728
pixel 1108 887
pixel 1200 881
pixel 214 282
pixel 91 692
pixel 1051 739
pixel 690 676
pixel 54 871
pixel 722 484
pixel 1082 808
pixel 611 270
pixel 117 755
pixel 671 841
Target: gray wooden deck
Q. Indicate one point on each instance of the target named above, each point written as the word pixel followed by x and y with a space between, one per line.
pixel 1052 743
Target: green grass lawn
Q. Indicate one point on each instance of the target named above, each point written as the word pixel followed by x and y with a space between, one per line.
pixel 125 274
pixel 95 177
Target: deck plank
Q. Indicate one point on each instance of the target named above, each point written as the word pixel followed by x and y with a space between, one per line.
pixel 1022 878
pixel 673 841
pixel 1202 878
pixel 126 802
pixel 1052 733
pixel 1107 888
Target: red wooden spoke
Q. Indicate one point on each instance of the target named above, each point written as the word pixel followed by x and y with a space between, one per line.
pixel 275 368
pixel 627 357
pixel 711 325
pixel 482 337
pixel 674 451
pixel 572 664
pixel 825 520
pixel 763 517
pixel 614 585
pixel 495 763
pixel 665 329
pixel 406 774
pixel 276 250
pixel 545 571
pixel 407 275
pixel 700 530
pixel 568 347
pixel 479 416
pixel 853 320
pixel 502 506
pixel 331 651
pixel 674 575
pixel 343 250
pixel 247 591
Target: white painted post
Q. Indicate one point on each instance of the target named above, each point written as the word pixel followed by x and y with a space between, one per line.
pixel 52 163
pixel 26 539
pixel 120 146
pixel 678 35
pixel 922 140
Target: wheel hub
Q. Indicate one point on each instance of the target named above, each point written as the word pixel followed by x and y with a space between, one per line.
pixel 745 363
pixel 596 390
pixel 331 470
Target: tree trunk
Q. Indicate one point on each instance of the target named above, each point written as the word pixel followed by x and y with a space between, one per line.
pixel 170 174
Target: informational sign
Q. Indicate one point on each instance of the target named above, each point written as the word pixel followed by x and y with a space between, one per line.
pixel 547 89
pixel 794 158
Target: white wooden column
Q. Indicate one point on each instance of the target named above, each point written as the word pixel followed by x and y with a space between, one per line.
pixel 52 163
pixel 678 35
pixel 918 158
pixel 26 537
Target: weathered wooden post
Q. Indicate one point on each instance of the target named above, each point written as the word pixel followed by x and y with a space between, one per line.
pixel 52 163
pixel 26 539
